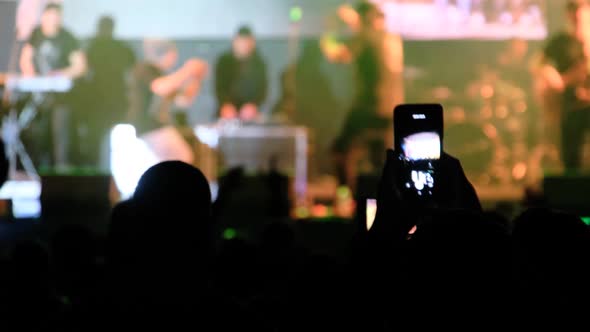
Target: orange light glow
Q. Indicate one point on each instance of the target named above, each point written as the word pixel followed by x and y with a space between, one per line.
pixel 319 211
pixel 519 171
pixel 490 131
pixel 502 112
pixel 486 91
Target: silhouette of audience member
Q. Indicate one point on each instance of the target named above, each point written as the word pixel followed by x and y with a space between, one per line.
pixel 445 262
pixel 168 228
pixel 451 254
pixel 459 255
pixel 266 197
pixel 165 242
pixel 278 257
pixel 74 261
pixel 320 297
pixel 551 252
pixel 4 164
pixel 236 258
pixel 79 278
pixel 34 305
pixel 396 215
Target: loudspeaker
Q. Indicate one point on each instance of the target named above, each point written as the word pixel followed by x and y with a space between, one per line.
pixel 79 199
pixel 568 193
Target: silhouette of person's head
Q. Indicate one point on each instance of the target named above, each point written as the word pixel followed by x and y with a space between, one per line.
pixel 173 208
pixel 175 188
pixel 106 27
pixel 160 240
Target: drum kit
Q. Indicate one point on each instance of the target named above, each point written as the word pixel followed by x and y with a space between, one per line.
pixel 487 128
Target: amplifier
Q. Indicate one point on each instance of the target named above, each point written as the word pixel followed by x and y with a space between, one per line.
pixel 258 148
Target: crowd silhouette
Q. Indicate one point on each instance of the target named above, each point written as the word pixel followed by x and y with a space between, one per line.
pixel 165 264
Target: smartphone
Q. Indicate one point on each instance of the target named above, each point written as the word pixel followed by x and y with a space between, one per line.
pixel 418 137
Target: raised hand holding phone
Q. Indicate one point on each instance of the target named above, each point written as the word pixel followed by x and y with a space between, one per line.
pixel 418 132
pixel 418 174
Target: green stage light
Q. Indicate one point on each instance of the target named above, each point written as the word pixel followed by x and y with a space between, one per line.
pixel 586 220
pixel 229 234
pixel 295 14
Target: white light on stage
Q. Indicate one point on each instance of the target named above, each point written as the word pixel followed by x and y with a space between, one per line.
pixel 130 158
pixel 208 135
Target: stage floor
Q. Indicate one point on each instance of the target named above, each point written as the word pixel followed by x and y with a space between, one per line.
pixel 25 196
pixel 500 193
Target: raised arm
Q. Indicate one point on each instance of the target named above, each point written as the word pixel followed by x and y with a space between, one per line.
pixel 334 50
pixel 546 74
pixel 394 54
pixel 185 80
pixel 197 72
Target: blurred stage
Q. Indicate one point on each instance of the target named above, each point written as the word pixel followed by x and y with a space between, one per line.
pixel 486 91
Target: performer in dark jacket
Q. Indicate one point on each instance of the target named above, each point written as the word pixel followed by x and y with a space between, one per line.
pixel 240 78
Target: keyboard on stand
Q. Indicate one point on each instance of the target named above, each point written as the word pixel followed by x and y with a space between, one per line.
pixel 15 122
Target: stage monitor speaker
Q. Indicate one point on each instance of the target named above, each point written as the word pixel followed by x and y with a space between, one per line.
pixel 78 199
pixel 259 148
pixel 7 34
pixel 568 193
